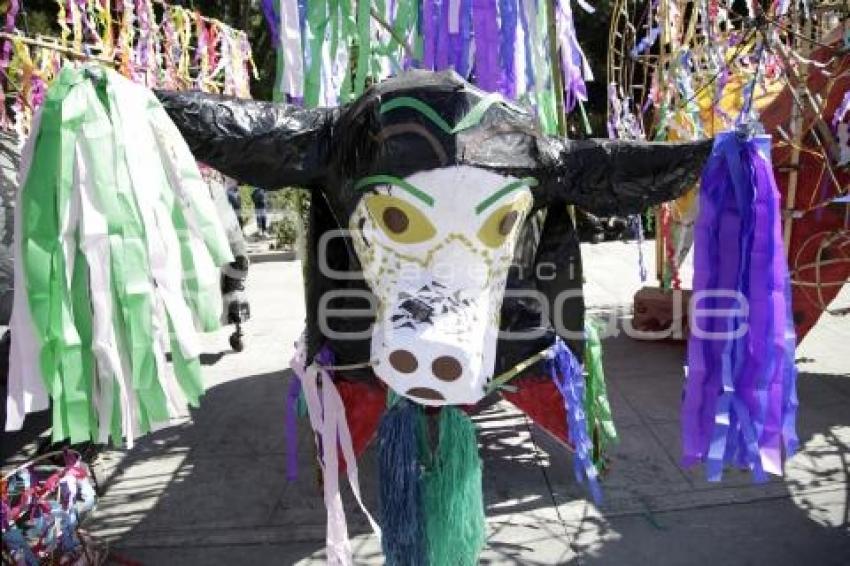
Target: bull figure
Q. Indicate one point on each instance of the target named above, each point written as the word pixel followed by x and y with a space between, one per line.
pixel 460 245
pixel 440 254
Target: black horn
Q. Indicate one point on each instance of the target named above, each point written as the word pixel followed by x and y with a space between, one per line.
pixel 266 144
pixel 608 177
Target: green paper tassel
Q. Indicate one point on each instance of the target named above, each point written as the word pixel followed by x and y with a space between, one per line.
pixel 454 506
pixel 600 423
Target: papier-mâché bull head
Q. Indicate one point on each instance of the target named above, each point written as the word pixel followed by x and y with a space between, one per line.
pixel 452 196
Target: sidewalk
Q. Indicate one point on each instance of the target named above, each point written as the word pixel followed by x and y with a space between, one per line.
pixel 213 491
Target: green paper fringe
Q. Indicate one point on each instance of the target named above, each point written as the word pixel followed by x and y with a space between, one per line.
pixel 454 506
pixel 600 423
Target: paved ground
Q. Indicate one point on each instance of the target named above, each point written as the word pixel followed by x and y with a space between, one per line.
pixel 213 491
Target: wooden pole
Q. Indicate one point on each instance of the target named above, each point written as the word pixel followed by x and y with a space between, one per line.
pixel 662 60
pixel 55 47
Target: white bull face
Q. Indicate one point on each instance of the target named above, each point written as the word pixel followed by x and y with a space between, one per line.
pixel 435 248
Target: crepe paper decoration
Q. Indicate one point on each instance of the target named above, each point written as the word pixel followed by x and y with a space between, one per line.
pixel 566 371
pixel 715 67
pixel 328 420
pixel 740 394
pixel 6 53
pixel 432 510
pixel 387 168
pixel 43 504
pixel 292 76
pixel 499 44
pixel 541 399
pixel 292 395
pixel 401 514
pixel 842 110
pixel 150 52
pixel 600 422
pixel 9 26
pixel 453 500
pixel 270 10
pixel 365 404
pixel 116 243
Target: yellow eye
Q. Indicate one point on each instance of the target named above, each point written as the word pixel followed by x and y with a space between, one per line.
pixel 399 219
pixel 500 224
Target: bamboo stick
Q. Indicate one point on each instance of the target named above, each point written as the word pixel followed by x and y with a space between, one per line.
pixel 55 47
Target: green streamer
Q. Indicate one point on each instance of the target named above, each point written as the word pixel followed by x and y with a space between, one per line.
pixel 585 122
pixel 280 64
pixel 45 202
pixel 81 120
pixel 186 370
pixel 81 301
pixel 364 46
pixel 454 506
pixel 600 422
pixel 544 89
pixel 317 21
pixel 128 250
pixel 348 32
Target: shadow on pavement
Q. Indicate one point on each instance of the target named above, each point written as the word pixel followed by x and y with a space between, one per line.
pixel 213 491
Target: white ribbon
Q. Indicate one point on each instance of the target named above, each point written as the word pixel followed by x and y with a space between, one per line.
pixel 26 391
pixel 94 244
pixel 328 420
pixel 292 78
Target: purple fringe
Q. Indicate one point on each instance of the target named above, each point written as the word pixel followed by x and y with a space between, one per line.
pixel 566 371
pixel 292 428
pixel 740 396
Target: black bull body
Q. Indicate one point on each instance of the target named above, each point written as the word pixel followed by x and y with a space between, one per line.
pixel 429 174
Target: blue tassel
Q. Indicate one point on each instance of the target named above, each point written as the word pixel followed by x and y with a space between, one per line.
pixel 566 371
pixel 402 521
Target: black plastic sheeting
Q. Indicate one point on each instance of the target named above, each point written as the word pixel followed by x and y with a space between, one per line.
pixel 327 150
pixel 260 143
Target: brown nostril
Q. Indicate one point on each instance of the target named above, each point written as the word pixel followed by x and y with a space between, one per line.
pixel 403 361
pixel 446 368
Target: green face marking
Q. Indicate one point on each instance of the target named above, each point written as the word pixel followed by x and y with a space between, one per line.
pixel 471 119
pixel 487 202
pixel 367 182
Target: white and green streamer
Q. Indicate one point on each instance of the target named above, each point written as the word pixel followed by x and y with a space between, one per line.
pixel 117 248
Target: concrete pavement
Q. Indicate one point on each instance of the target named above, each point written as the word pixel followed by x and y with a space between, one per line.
pixel 213 491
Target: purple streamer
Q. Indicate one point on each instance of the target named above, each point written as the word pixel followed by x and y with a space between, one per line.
pixel 485 24
pixel 302 23
pixel 567 373
pixel 429 31
pixel 441 57
pixel 462 62
pixel 508 12
pixel 572 58
pixel 272 20
pixel 9 27
pixel 842 110
pixel 529 63
pixel 455 40
pixel 740 398
pixel 292 428
pixel 646 42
